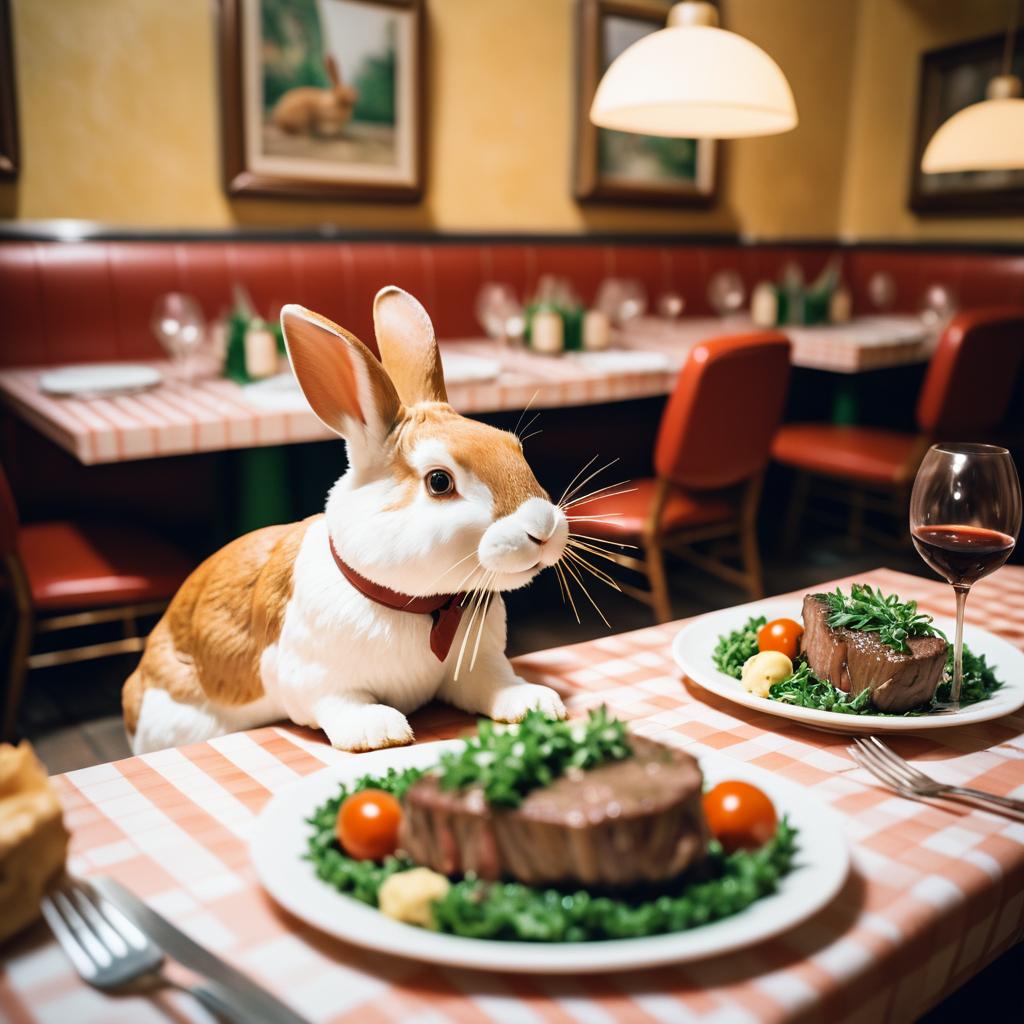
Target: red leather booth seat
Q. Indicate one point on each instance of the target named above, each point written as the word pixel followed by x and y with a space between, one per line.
pixel 85 301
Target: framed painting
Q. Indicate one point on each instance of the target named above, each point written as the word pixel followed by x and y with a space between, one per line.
pixel 613 166
pixel 8 98
pixel 951 79
pixel 323 99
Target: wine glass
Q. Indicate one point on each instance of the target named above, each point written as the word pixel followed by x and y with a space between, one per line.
pixel 937 306
pixel 180 327
pixel 499 312
pixel 881 291
pixel 726 293
pixel 670 305
pixel 964 518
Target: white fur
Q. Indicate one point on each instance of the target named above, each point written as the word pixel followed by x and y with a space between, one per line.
pixel 353 667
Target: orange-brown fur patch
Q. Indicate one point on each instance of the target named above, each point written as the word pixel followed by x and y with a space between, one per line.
pixel 209 642
pixel 494 456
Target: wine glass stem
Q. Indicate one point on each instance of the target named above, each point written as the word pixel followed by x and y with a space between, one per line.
pixel 958 647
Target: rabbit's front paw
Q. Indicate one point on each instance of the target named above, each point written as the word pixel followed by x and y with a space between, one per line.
pixel 367 727
pixel 511 703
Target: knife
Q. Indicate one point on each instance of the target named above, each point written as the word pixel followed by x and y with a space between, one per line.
pixel 259 1004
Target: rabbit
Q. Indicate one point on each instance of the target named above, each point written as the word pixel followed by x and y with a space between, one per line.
pixel 350 620
pixel 308 110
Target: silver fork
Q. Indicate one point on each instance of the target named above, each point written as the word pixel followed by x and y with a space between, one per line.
pixel 888 767
pixel 110 953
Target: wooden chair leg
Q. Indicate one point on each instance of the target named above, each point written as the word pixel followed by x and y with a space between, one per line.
pixel 795 512
pixel 855 525
pixel 748 538
pixel 21 644
pixel 660 599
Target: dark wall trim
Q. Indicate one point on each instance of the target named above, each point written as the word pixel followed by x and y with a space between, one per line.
pixel 86 231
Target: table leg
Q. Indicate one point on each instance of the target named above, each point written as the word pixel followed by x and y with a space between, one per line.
pixel 262 489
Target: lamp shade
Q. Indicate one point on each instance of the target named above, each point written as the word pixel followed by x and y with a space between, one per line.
pixel 694 81
pixel 986 136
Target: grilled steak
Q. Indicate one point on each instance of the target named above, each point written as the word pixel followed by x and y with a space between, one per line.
pixel 853 661
pixel 619 824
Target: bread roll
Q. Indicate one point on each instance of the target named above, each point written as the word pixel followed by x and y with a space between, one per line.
pixel 33 840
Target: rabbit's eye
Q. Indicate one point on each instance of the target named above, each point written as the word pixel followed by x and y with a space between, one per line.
pixel 440 483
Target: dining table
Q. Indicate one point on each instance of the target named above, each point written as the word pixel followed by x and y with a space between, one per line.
pixel 935 892
pixel 213 413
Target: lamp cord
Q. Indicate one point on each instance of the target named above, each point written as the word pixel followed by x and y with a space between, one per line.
pixel 1011 37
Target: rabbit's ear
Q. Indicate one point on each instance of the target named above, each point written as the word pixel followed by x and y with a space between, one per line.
pixel 333 71
pixel 408 348
pixel 340 377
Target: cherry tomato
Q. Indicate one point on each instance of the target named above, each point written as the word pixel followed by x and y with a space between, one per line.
pixel 780 635
pixel 739 815
pixel 368 824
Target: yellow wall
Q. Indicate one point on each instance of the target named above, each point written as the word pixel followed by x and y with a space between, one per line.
pixel 119 122
pixel 891 35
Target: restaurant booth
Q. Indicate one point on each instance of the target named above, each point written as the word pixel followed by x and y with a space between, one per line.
pixel 509 510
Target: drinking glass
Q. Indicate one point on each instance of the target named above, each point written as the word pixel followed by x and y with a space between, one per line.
pixel 881 291
pixel 180 327
pixel 964 518
pixel 499 312
pixel 726 292
pixel 937 306
pixel 670 305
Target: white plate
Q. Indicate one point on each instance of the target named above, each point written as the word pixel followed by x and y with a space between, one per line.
pixel 694 644
pixel 279 842
pixel 619 360
pixel 462 369
pixel 97 380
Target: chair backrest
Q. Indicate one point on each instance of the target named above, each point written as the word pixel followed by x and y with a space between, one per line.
pixel 717 427
pixel 8 518
pixel 972 374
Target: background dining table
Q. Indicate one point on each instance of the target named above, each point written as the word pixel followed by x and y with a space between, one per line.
pixel 216 414
pixel 935 893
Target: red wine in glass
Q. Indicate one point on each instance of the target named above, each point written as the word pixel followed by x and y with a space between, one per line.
pixel 963 554
pixel 965 514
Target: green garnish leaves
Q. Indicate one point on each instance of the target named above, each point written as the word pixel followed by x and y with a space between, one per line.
pixel 510 911
pixel 509 762
pixel 979 681
pixel 734 648
pixel 507 910
pixel 806 690
pixel 871 611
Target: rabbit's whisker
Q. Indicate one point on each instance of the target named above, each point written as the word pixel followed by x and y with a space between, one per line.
pixel 455 566
pixel 566 502
pixel 594 519
pixel 533 419
pixel 568 592
pixel 561 582
pixel 593 551
pixel 586 593
pixel 483 624
pixel 475 602
pixel 579 560
pixel 602 492
pixel 526 409
pixel 586 466
pixel 523 440
pixel 587 538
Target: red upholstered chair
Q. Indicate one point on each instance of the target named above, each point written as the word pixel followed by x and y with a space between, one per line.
pixel 712 448
pixel 965 395
pixel 61 575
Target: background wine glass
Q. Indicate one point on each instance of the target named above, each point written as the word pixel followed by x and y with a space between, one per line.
pixel 726 293
pixel 180 327
pixel 964 518
pixel 499 312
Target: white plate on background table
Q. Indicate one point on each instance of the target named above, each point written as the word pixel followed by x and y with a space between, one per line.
pixel 99 380
pixel 279 843
pixel 695 642
pixel 463 369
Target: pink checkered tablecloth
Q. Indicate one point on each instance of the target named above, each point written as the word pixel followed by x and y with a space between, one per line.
pixel 936 890
pixel 217 414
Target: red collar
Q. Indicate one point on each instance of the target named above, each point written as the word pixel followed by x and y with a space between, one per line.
pixel 446 609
